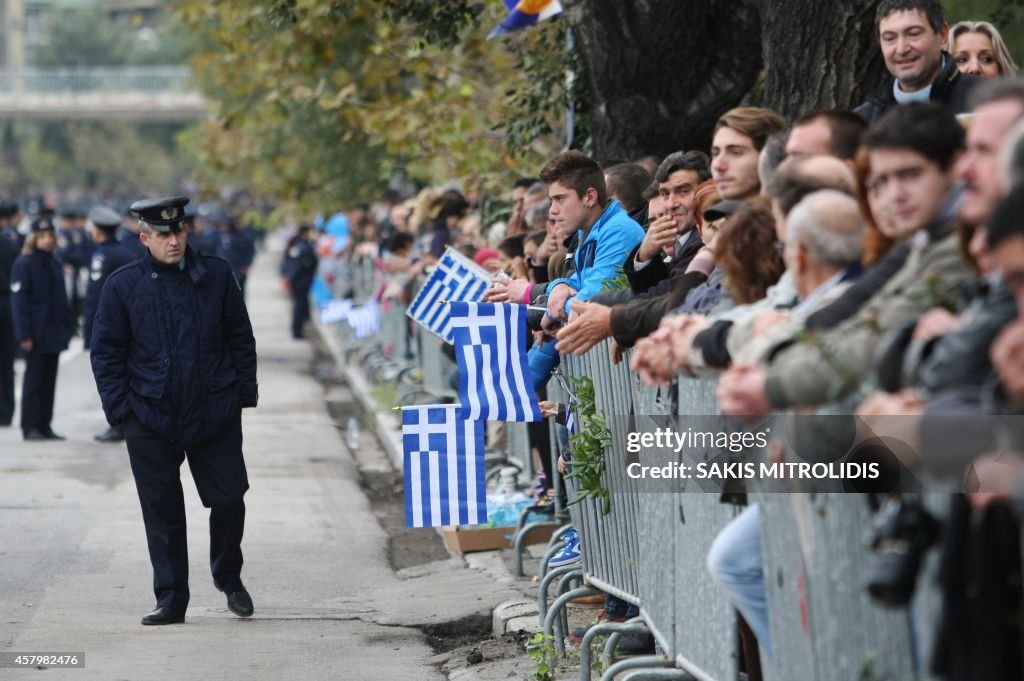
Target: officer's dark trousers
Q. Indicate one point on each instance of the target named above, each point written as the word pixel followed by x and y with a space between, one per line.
pixel 37 391
pixel 8 346
pixel 300 310
pixel 219 472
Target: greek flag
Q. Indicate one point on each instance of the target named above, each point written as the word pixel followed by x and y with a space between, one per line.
pixel 336 311
pixel 456 278
pixel 445 481
pixel 365 319
pixel 490 346
pixel 523 13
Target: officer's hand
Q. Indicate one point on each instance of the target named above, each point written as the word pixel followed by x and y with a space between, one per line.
pixel 27 345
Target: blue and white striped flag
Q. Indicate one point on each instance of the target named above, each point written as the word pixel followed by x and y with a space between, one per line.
pixel 445 480
pixel 570 419
pixel 494 376
pixel 336 311
pixel 365 319
pixel 456 278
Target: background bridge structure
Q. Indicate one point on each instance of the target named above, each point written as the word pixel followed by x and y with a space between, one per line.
pixel 159 94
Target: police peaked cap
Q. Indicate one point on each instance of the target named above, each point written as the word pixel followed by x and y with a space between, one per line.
pixel 163 214
pixel 71 209
pixel 8 209
pixel 104 218
pixel 42 224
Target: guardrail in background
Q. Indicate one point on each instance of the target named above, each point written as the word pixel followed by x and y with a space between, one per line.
pixel 152 79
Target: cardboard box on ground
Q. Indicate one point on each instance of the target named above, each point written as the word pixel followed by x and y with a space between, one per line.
pixel 469 539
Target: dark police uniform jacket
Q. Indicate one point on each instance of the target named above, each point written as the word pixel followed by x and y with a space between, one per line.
pixel 173 348
pixel 108 257
pixel 40 303
pixel 300 264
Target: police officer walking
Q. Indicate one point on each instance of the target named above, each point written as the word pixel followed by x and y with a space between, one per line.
pixel 299 268
pixel 9 249
pixel 108 257
pixel 42 326
pixel 175 363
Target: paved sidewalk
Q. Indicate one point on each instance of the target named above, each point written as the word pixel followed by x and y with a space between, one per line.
pixel 76 576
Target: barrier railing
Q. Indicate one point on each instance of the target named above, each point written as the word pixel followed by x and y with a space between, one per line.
pixel 156 79
pixel 705 646
pixel 651 550
pixel 613 571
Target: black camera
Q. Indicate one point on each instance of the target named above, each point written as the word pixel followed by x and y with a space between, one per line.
pixel 535 314
pixel 900 535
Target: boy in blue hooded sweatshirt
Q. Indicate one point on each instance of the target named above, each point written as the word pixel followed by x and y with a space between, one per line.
pixel 606 236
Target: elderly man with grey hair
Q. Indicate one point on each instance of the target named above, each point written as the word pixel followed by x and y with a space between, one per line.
pixel 822 253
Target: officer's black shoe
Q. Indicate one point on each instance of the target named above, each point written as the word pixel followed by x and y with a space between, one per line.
pixel 239 602
pixel 164 615
pixel 35 435
pixel 111 434
pixel 50 435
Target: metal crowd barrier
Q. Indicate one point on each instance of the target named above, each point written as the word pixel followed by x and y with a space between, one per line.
pixel 705 646
pixel 823 623
pixel 609 542
pixel 651 548
pixel 654 553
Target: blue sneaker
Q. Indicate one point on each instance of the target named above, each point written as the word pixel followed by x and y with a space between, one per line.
pixel 570 553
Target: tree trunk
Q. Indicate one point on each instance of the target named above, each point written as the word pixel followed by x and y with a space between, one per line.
pixel 661 72
pixel 819 55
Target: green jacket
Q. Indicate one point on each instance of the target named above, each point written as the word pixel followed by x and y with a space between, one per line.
pixel 829 365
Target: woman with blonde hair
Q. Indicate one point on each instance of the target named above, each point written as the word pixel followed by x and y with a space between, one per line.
pixel 979 50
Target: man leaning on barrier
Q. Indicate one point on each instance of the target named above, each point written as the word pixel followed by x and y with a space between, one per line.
pixel 174 359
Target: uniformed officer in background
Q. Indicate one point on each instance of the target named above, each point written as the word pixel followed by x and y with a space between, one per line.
pixel 128 236
pixel 74 250
pixel 299 268
pixel 108 257
pixel 10 247
pixel 42 326
pixel 175 363
pixel 237 246
pixel 10 216
pixel 200 236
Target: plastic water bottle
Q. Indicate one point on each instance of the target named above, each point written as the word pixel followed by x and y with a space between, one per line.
pixel 352 433
pixel 507 501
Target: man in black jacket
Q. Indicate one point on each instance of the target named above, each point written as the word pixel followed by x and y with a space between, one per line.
pixel 175 363
pixel 911 34
pixel 9 250
pixel 108 257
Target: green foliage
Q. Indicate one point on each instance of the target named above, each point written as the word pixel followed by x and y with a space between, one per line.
pixel 349 94
pixel 1007 15
pixel 84 36
pixel 589 446
pixel 619 282
pixel 114 157
pixel 538 104
pixel 541 649
pixel 436 23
